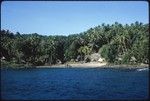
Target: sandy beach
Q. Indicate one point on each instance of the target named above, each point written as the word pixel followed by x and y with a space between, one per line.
pixel 93 65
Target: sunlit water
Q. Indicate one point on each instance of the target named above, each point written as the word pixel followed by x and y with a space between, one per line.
pixel 79 83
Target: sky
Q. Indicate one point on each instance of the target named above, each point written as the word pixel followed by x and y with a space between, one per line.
pixel 68 17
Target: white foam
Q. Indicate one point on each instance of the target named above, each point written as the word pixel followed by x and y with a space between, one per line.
pixel 142 69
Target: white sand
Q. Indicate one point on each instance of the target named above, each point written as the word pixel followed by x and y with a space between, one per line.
pixel 92 65
pixel 70 65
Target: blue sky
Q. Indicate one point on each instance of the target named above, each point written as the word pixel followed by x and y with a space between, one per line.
pixel 68 17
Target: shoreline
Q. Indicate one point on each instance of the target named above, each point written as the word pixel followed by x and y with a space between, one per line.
pixel 94 65
pixel 83 65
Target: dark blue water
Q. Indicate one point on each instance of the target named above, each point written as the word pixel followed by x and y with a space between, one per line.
pixel 79 83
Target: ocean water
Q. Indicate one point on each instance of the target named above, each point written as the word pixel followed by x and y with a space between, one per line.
pixel 74 84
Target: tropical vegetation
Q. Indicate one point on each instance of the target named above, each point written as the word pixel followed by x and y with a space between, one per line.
pixel 116 43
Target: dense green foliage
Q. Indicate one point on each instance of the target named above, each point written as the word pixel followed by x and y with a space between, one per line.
pixel 117 43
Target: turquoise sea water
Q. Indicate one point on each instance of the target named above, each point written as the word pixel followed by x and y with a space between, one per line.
pixel 74 83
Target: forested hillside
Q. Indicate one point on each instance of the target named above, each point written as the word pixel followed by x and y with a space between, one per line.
pixel 117 43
